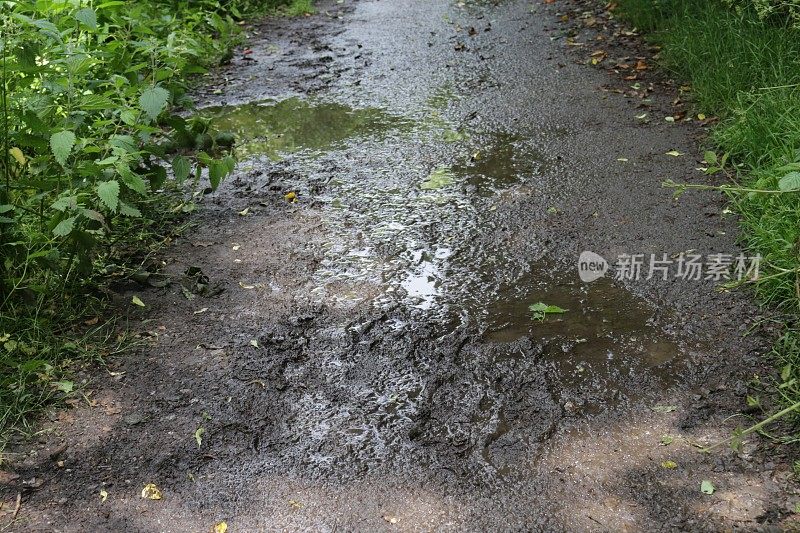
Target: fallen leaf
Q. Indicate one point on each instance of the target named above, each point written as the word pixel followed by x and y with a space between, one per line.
pixel 674 153
pixel 641 65
pixel 390 519
pixel 222 527
pixel 294 504
pixel 290 197
pixel 198 435
pixel 203 310
pixel 151 492
pixel 701 116
pixel 669 119
pixel 666 440
pixel 706 487
pixel 103 495
pixel 244 212
pixel 137 301
pixel 254 343
pixel 669 464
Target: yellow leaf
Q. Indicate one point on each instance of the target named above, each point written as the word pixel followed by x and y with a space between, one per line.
pixel 151 492
pixel 674 153
pixel 103 495
pixel 136 301
pixel 222 527
pixel 17 154
pixel 701 116
pixel 244 212
pixel 669 464
pixel 290 197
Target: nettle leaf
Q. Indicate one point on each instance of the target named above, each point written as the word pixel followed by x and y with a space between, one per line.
pixel 61 144
pixel 132 180
pixel 217 170
pixel 87 17
pixel 153 101
pixel 790 182
pixel 129 210
pixel 91 214
pixel 64 203
pixel 181 168
pixel 128 116
pixel 108 192
pixel 64 227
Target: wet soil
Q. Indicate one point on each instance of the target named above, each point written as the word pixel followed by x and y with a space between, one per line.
pixel 346 341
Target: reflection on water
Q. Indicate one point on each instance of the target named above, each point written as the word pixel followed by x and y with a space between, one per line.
pixel 273 128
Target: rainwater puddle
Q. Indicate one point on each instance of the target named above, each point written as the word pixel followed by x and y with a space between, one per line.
pixel 275 128
pixel 606 346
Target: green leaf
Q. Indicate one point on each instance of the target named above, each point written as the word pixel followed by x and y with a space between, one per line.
pixel 790 182
pixel 230 163
pixel 108 192
pixel 128 210
pixel 710 158
pixel 131 179
pixel 198 436
pixel 786 373
pixel 135 300
pixel 181 168
pixel 706 487
pixel 61 144
pixel 65 386
pixel 216 171
pixel 64 227
pixel 128 116
pixel 64 203
pixel 87 17
pixel 153 101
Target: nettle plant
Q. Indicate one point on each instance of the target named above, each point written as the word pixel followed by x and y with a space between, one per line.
pixel 89 141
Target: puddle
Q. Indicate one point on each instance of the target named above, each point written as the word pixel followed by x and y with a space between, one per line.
pixel 274 128
pixel 606 344
pixel 498 162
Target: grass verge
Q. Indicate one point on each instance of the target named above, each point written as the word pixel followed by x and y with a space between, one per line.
pixel 745 69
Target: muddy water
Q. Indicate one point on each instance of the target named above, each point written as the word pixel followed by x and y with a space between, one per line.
pixel 403 235
pixel 373 362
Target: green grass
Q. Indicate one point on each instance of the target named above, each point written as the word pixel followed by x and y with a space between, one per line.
pixel 299 8
pixel 746 71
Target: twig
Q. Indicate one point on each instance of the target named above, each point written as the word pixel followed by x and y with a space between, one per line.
pixel 16 508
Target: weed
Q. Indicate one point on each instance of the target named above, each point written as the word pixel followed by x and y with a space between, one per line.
pixel 96 164
pixel 743 65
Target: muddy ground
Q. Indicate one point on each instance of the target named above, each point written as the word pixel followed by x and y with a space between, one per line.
pixel 346 344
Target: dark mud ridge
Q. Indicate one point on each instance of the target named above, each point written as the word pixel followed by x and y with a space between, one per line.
pixel 347 341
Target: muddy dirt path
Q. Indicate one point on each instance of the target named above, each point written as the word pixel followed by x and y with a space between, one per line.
pixel 346 341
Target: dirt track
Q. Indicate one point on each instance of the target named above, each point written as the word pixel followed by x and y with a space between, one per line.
pixel 364 357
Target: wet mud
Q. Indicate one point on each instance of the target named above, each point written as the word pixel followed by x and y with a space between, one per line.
pixel 413 177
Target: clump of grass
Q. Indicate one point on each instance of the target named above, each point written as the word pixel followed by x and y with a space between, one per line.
pixel 745 69
pixel 297 8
